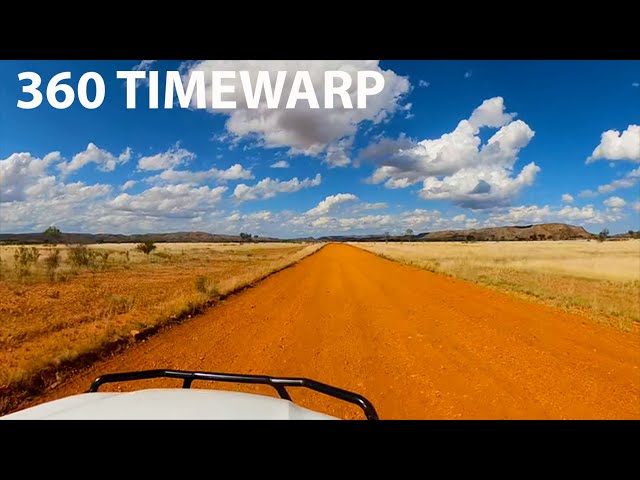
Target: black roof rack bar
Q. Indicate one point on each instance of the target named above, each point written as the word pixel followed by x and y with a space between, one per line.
pixel 278 383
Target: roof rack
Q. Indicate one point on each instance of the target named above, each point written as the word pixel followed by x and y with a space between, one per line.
pixel 278 383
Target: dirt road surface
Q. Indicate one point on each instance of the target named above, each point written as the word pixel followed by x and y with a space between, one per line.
pixel 417 344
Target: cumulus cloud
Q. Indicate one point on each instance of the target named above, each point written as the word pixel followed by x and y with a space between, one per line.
pixel 614 202
pixel 618 146
pixel 528 214
pixel 269 188
pixel 280 164
pixel 182 200
pixel 32 199
pixel 315 132
pixel 235 172
pixel 106 161
pixel 171 158
pixel 567 198
pixel 326 205
pixel 128 185
pixel 20 171
pixel 456 166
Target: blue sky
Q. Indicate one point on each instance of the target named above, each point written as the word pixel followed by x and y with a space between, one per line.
pixel 446 144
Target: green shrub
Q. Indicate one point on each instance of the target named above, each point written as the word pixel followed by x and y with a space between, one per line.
pixel 204 285
pixel 23 259
pixel 201 284
pixel 81 256
pixel 146 247
pixel 52 262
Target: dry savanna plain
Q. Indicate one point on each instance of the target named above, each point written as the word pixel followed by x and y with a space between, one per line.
pixel 423 330
pixel 98 296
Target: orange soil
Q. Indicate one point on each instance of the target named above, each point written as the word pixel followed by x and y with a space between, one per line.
pixel 417 344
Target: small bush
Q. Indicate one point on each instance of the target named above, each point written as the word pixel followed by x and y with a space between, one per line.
pixel 24 258
pixel 104 257
pixel 146 247
pixel 203 285
pixel 120 304
pixel 52 262
pixel 602 236
pixel 81 256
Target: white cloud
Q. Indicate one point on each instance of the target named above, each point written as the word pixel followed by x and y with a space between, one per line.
pixel 32 199
pixel 587 194
pixel 528 214
pixel 468 74
pixel 171 158
pixel 614 202
pixel 19 171
pixel 520 215
pixel 628 181
pixel 586 214
pixel 636 206
pixel 235 172
pixel 106 161
pixel 182 200
pixel 472 175
pixel 313 132
pixel 635 84
pixel 144 65
pixel 280 164
pixel 423 83
pixel 478 188
pixel 567 198
pixel 326 205
pixel 364 206
pixel 261 215
pixel 269 188
pixel 491 113
pixel 128 185
pixel 618 146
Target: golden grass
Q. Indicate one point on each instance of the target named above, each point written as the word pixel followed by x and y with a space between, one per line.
pixel 45 324
pixel 599 280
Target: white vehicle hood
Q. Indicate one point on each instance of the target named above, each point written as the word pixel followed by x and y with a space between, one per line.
pixel 168 404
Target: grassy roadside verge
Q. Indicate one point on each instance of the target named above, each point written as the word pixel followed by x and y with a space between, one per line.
pixel 575 278
pixel 82 343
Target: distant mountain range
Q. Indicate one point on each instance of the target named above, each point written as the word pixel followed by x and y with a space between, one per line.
pixel 86 238
pixel 544 231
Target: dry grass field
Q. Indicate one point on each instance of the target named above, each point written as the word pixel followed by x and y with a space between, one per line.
pixel 600 280
pixel 54 311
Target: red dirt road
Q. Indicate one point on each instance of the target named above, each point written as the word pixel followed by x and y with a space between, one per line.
pixel 417 344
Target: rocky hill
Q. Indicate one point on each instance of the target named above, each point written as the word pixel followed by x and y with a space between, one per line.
pixel 543 231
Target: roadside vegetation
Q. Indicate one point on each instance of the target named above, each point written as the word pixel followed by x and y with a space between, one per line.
pixel 600 279
pixel 62 303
